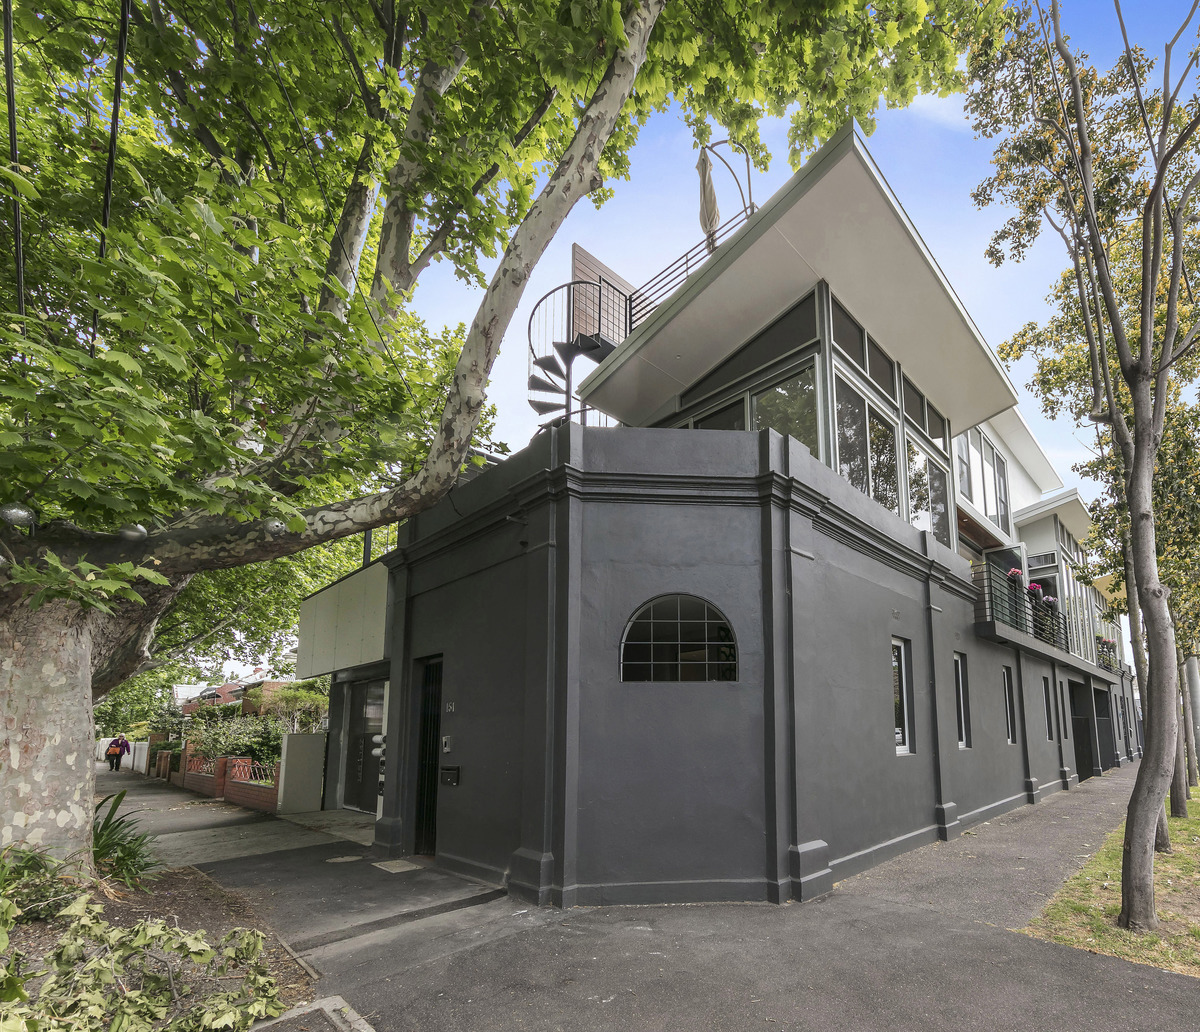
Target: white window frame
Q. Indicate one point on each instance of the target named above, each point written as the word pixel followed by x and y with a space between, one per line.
pixel 962 701
pixel 904 748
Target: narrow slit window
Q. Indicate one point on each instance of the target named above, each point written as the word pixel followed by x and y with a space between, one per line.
pixel 1049 709
pixel 902 696
pixel 1010 707
pixel 962 702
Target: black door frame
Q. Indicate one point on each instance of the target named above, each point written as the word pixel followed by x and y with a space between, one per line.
pixel 429 748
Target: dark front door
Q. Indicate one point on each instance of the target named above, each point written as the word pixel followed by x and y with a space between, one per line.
pixel 362 769
pixel 1104 729
pixel 429 751
pixel 1081 730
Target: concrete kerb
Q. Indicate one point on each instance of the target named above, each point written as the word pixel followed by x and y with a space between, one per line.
pixel 340 1014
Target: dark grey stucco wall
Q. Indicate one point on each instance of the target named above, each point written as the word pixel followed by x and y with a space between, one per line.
pixel 579 788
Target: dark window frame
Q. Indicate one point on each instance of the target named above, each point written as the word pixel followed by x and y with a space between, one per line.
pixel 649 649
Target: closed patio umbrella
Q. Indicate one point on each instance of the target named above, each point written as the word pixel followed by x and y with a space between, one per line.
pixel 710 214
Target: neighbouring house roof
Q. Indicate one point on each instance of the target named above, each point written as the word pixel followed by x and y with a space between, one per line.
pixel 1067 505
pixel 837 220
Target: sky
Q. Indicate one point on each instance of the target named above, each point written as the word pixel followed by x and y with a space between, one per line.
pixel 929 156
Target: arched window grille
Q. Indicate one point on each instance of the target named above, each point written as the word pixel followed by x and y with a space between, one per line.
pixel 678 638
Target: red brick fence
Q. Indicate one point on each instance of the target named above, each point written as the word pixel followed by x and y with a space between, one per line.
pixel 252 785
pixel 293 785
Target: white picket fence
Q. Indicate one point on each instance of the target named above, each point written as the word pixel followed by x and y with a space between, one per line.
pixel 138 760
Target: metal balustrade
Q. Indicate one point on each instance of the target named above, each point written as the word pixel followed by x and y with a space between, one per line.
pixel 1007 600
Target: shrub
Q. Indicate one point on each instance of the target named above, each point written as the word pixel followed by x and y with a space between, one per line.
pixel 119 850
pixel 100 978
pixel 259 737
pixel 37 885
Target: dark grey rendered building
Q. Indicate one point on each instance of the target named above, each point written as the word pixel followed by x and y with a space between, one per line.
pixel 642 663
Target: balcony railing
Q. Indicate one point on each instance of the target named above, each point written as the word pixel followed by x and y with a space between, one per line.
pixel 1007 600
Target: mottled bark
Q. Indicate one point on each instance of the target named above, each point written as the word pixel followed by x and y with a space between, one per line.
pixel 1161 689
pixel 1189 731
pixel 46 732
pixel 350 236
pixel 1137 639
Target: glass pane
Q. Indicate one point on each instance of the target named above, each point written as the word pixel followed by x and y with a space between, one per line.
pixel 691 608
pixel 918 487
pixel 928 494
pixel 635 672
pixel 914 403
pixel 937 426
pixel 881 368
pixel 733 417
pixel 976 439
pixel 1002 492
pixel 989 481
pixel 963 463
pixel 939 502
pixel 373 708
pixel 666 608
pixel 852 435
pixel 636 652
pixel 639 630
pixel 847 333
pixel 791 408
pixel 899 695
pixel 885 483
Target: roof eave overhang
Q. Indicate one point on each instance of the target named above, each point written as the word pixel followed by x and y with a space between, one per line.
pixel 1067 505
pixel 835 220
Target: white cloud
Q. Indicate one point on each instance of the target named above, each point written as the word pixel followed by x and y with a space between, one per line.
pixel 947 112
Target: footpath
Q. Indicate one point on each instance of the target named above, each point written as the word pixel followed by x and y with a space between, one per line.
pixel 922 942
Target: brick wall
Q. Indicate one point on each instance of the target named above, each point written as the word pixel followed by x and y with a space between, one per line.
pixel 208 784
pixel 251 795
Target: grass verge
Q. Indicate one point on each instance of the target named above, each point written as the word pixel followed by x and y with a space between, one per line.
pixel 1083 913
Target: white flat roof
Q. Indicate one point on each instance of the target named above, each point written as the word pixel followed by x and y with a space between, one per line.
pixel 836 219
pixel 1067 505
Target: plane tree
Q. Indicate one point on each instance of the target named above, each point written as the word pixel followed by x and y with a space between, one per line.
pixel 1106 161
pixel 235 375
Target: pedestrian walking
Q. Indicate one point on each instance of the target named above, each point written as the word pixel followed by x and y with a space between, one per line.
pixel 117 748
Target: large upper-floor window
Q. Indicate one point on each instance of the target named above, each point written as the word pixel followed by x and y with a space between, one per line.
pixel 928 494
pixel 790 407
pixel 867 447
pixel 983 476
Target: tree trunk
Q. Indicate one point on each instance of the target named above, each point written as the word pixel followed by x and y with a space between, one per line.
pixel 46 735
pixel 1179 785
pixel 1189 731
pixel 1162 831
pixel 1154 773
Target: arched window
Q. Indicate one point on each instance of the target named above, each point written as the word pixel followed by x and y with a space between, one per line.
pixel 678 638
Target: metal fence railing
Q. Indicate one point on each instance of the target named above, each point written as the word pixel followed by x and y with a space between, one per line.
pixel 201 765
pixel 242 768
pixel 1007 600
